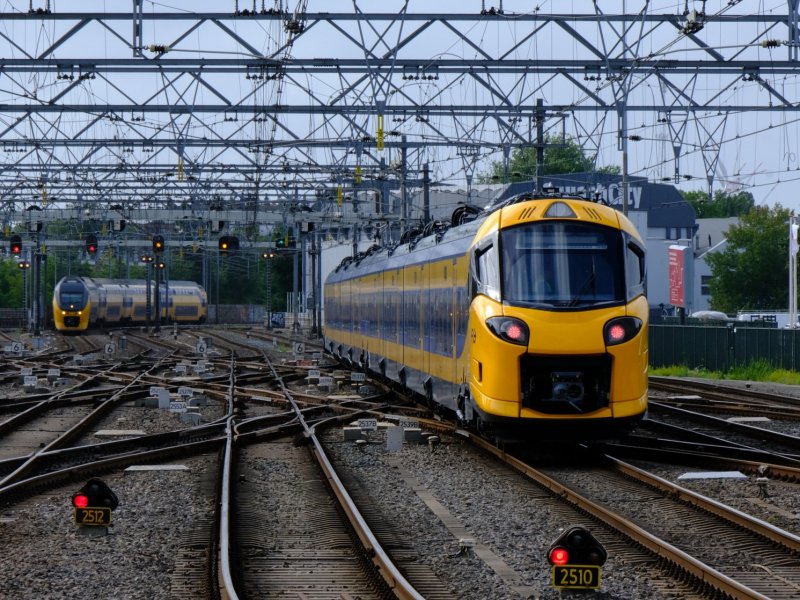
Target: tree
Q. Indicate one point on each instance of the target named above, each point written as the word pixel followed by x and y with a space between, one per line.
pixel 752 272
pixel 561 155
pixel 723 204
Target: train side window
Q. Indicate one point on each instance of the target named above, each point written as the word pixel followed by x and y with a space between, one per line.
pixel 634 269
pixel 486 274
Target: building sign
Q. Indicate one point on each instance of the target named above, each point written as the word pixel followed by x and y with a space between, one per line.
pixel 677 276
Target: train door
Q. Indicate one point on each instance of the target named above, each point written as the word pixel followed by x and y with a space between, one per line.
pixel 461 298
pixel 427 320
pixel 412 351
pixel 451 285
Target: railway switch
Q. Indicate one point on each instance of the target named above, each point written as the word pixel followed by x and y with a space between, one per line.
pixel 576 556
pixel 93 503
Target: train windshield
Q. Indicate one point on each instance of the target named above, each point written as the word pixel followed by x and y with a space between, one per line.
pixel 72 296
pixel 562 264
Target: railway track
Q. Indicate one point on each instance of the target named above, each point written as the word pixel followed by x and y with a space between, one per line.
pixel 269 439
pixel 720 398
pixel 254 422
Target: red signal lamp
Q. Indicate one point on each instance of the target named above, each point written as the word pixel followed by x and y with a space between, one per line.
pixel 576 546
pixel 80 500
pixel 559 556
pixel 16 245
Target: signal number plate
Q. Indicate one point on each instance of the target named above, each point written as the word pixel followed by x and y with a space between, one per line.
pixel 93 515
pixel 576 576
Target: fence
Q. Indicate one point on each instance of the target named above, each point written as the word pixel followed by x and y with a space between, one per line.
pixel 13 318
pixel 236 313
pixel 719 348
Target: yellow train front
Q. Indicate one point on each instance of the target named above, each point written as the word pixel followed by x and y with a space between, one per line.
pixel 80 303
pixel 72 305
pixel 529 320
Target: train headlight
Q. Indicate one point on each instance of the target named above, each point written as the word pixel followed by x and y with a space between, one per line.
pixel 621 330
pixel 509 329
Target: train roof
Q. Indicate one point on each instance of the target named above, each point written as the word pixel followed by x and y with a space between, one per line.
pixel 101 282
pixel 438 239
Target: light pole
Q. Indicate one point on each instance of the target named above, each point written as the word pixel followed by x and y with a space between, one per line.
pixel 159 265
pixel 147 259
pixel 269 255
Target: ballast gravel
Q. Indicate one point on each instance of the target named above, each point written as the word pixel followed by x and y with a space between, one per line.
pixel 42 555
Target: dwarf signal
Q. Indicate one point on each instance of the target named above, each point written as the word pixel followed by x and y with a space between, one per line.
pixel 93 503
pixel 576 557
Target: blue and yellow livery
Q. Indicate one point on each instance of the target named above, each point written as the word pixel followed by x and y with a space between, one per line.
pixel 530 317
pixel 80 303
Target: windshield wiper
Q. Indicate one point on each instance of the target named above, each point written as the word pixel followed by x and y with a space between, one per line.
pixel 590 278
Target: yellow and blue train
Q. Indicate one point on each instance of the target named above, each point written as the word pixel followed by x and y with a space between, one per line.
pixel 528 316
pixel 80 303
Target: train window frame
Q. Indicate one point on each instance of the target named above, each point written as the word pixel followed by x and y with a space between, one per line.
pixel 485 267
pixel 635 268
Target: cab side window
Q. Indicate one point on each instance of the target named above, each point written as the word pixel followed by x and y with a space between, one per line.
pixel 486 272
pixel 634 269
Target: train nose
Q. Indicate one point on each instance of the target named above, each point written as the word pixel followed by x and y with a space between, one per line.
pixel 568 387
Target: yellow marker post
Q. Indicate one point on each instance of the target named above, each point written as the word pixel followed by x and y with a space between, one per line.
pixel 380 133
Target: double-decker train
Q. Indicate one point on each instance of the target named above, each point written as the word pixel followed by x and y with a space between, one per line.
pixel 529 316
pixel 80 303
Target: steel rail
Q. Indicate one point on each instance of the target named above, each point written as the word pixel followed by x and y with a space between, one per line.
pixel 687 563
pixel 399 585
pixel 227 585
pixel 70 434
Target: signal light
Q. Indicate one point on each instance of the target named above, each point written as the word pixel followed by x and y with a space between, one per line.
pixel 621 330
pixel 558 556
pixel 228 243
pixel 93 503
pixel 91 243
pixel 576 546
pixel 16 245
pixel 158 244
pixel 95 493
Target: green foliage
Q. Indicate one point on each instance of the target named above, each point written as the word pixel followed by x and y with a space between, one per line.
pixel 242 276
pixel 723 204
pixel 561 155
pixel 759 370
pixel 753 270
pixel 684 371
pixel 10 285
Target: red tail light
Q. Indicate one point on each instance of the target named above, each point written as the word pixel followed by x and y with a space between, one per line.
pixel 509 329
pixel 621 330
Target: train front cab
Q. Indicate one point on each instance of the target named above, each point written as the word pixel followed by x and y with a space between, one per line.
pixel 565 358
pixel 71 305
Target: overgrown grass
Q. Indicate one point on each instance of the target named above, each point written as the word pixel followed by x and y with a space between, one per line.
pixel 759 370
